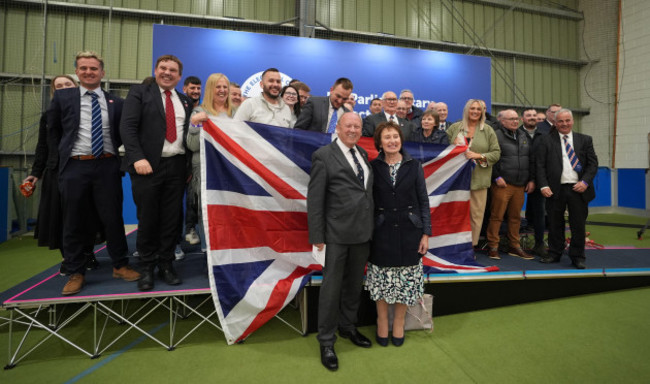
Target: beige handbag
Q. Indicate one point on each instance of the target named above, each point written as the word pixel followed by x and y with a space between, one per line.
pixel 418 316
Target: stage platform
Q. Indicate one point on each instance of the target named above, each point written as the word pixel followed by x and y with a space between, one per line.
pixel 37 303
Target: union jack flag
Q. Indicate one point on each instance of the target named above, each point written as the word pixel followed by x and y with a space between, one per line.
pixel 254 181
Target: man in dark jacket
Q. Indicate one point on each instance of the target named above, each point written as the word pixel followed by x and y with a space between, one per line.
pixel 566 167
pixel 535 214
pixel 511 178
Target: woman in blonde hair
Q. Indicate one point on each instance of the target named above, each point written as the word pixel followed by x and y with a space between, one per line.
pixel 216 103
pixel 482 148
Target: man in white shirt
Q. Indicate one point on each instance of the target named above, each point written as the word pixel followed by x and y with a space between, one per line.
pixel 267 108
pixel 566 167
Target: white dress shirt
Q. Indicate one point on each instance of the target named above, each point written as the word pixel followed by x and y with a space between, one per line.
pixel 83 144
pixel 569 175
pixel 348 157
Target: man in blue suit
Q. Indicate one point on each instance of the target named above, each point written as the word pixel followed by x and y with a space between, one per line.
pixel 83 126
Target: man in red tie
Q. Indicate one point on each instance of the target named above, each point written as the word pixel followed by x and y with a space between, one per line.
pixel 153 128
pixel 566 167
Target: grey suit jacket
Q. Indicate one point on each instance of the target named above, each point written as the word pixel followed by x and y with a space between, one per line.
pixel 371 122
pixel 314 114
pixel 339 208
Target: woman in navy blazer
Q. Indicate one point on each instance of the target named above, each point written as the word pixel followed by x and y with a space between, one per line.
pixel 401 234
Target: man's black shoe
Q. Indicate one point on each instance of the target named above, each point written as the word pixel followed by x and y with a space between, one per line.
pixel 167 273
pixel 549 259
pixel 328 358
pixel 146 279
pixel 91 262
pixel 579 264
pixel 356 338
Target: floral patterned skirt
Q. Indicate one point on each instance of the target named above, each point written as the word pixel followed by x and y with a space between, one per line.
pixel 404 285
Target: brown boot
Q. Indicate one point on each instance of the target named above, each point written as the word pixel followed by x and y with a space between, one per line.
pixel 74 284
pixel 127 273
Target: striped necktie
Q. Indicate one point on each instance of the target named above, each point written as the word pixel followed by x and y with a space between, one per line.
pixel 573 159
pixel 96 131
pixel 331 127
pixel 359 168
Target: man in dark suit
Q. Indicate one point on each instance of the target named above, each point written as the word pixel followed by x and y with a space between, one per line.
pixel 389 113
pixel 318 113
pixel 566 167
pixel 340 215
pixel 83 128
pixel 413 113
pixel 546 125
pixel 535 213
pixel 154 128
pixel 443 112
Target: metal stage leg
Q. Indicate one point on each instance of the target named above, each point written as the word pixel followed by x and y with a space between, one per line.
pixel 52 332
pixel 132 324
pixel 186 308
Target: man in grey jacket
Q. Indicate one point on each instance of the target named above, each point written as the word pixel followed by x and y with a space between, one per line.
pixel 340 215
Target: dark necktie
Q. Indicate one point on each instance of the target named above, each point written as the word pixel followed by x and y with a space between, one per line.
pixel 392 118
pixel 359 168
pixel 573 159
pixel 331 128
pixel 96 132
pixel 170 116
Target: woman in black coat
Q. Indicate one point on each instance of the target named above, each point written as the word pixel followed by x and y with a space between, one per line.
pixel 49 222
pixel 401 234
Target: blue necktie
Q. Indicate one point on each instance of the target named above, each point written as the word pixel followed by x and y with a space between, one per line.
pixel 331 128
pixel 359 168
pixel 573 159
pixel 96 132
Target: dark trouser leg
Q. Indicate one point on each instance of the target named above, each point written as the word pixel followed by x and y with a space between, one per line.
pixel 578 211
pixel 535 215
pixel 191 208
pixel 108 197
pixel 159 200
pixel 75 184
pixel 555 207
pixel 171 199
pixel 353 285
pixel 341 289
pixel 145 195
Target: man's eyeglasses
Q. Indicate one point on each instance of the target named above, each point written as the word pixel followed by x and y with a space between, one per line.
pixel 392 100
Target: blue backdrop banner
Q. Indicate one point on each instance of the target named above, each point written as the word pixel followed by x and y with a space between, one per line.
pixel 373 69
